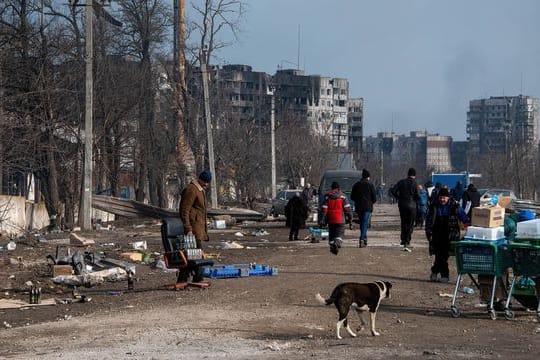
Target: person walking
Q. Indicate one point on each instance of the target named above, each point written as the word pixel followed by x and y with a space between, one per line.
pixel 296 214
pixel 336 212
pixel 421 206
pixel 442 227
pixel 307 194
pixel 364 196
pixel 193 212
pixel 406 193
pixel 471 199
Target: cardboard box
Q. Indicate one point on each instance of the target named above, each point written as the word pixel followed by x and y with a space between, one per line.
pixel 61 270
pixel 505 201
pixel 133 256
pixel 485 283
pixel 488 216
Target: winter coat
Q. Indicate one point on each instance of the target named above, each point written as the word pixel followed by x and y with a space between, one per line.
pixel 193 210
pixel 406 192
pixel 296 213
pixel 364 196
pixel 442 222
pixel 336 209
pixel 422 204
pixel 473 196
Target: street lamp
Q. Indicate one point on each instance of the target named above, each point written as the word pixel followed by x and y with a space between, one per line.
pixel 271 91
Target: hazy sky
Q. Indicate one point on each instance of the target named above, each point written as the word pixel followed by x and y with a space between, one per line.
pixel 418 62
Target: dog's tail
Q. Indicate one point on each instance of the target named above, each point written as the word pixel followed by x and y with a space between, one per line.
pixel 323 300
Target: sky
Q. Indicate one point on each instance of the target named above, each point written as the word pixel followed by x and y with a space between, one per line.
pixel 416 63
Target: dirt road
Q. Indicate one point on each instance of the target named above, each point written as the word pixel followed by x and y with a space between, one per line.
pixel 274 317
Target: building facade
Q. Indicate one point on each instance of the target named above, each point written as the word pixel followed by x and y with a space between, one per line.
pixel 496 124
pixel 355 120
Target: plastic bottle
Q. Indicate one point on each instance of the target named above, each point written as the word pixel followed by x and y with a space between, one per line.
pixel 468 290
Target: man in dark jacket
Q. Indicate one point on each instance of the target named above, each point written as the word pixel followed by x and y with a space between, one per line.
pixel 364 196
pixel 296 213
pixel 406 193
pixel 336 211
pixel 473 196
pixel 442 227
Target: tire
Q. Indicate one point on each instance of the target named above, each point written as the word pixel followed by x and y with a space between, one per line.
pixel 455 312
pixel 508 314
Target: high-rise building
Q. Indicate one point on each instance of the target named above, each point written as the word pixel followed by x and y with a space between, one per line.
pixel 498 123
pixel 355 120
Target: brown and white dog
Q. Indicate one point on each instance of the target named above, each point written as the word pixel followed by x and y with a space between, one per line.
pixel 362 297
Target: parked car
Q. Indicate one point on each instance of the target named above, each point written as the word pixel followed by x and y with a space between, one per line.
pixel 489 193
pixel 282 198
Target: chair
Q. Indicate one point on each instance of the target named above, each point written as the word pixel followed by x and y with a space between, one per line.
pixel 182 255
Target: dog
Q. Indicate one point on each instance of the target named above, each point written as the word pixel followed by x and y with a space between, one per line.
pixel 362 297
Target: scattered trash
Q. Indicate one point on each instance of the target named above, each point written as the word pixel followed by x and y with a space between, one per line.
pixel 536 331
pixel 11 246
pixel 219 224
pixel 239 234
pixel 7 325
pixel 29 283
pixel 91 279
pixel 429 312
pixel 17 304
pixel 160 264
pixel 140 245
pixel 445 295
pixel 76 239
pixel 427 352
pixel 11 277
pixel 232 245
pixel 133 256
pixel 467 290
pixel 260 232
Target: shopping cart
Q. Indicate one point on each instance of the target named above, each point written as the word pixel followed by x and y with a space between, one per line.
pixel 479 258
pixel 525 264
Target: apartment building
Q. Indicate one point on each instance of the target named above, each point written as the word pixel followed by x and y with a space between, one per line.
pixel 496 124
pixel 426 152
pixel 355 120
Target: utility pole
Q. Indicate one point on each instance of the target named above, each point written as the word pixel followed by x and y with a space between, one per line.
pixel 382 164
pixel 271 91
pixel 210 141
pixel 87 181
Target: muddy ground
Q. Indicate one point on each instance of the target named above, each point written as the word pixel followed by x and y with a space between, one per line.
pixel 271 317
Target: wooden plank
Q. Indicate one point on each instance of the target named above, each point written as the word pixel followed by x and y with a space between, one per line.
pixel 17 304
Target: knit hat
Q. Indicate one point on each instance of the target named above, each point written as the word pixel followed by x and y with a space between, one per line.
pixel 365 174
pixel 411 172
pixel 444 192
pixel 206 176
pixel 335 185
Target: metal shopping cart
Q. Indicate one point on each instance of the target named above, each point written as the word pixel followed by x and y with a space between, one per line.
pixel 525 264
pixel 479 258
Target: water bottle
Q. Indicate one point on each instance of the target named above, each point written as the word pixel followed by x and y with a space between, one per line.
pixel 468 290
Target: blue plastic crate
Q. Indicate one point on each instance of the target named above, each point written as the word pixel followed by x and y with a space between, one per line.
pixel 224 272
pixel 239 270
pixel 262 270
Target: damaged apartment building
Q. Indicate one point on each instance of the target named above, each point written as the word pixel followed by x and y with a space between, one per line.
pixel 321 102
pixel 427 152
pixel 497 124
